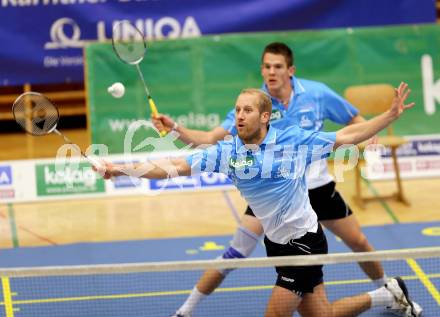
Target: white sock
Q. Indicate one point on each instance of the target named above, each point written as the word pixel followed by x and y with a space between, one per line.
pixel 191 302
pixel 381 297
pixel 381 281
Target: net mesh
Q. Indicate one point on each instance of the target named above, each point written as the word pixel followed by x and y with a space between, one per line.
pixel 35 113
pixel 128 43
pixel 159 289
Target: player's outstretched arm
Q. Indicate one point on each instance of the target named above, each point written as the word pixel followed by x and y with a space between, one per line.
pixel 154 169
pixel 357 133
pixel 189 136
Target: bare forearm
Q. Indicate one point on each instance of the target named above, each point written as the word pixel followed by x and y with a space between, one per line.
pixel 357 119
pixel 155 169
pixel 359 132
pixel 197 137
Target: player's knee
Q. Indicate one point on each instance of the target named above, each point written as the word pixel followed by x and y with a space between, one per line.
pixel 242 245
pixel 230 253
pixel 244 241
pixel 360 243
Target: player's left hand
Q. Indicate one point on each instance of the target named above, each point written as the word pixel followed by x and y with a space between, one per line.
pixel 400 95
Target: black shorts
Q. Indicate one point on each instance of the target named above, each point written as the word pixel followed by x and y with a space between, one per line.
pixel 326 202
pixel 299 279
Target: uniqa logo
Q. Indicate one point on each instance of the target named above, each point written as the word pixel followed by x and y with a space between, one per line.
pixel 59 37
pixel 66 33
pixel 248 161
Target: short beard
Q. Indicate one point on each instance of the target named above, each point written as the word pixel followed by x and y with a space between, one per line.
pixel 251 139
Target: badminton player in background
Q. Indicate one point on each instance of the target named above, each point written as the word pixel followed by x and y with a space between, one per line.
pixel 296 102
pixel 276 191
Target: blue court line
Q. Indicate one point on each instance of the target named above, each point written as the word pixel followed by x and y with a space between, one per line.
pixel 415 267
pixel 386 237
pixel 231 206
pixel 391 236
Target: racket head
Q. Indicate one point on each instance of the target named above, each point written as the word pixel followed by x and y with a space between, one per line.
pixel 35 113
pixel 128 42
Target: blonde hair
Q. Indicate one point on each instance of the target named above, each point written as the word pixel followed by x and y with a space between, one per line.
pixel 264 101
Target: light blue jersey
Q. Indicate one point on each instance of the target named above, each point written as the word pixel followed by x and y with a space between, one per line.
pixel 271 176
pixel 311 104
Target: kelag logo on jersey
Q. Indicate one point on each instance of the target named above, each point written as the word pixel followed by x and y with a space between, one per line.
pixel 5 175
pixel 239 163
pixel 202 181
pixel 276 115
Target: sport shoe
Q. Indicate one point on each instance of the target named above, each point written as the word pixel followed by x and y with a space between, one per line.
pixel 402 306
pixel 417 310
pixel 178 314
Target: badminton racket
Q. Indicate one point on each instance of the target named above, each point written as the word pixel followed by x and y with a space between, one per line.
pixel 130 47
pixel 38 116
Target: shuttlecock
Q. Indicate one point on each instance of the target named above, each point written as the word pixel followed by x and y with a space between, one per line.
pixel 117 90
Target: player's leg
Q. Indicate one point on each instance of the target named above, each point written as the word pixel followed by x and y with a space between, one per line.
pixel 337 216
pixel 394 295
pixel 282 302
pixel 349 231
pixel 315 304
pixel 294 283
pixel 242 245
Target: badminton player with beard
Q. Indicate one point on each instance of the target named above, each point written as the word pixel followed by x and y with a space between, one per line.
pixel 280 201
pixel 295 102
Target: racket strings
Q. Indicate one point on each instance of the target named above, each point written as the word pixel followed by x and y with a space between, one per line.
pixel 128 43
pixel 35 113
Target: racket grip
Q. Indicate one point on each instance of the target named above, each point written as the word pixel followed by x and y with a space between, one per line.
pixel 155 113
pixel 92 160
pixel 153 107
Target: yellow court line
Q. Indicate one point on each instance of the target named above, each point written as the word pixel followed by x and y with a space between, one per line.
pixel 424 278
pixel 183 292
pixel 7 297
pixel 97 297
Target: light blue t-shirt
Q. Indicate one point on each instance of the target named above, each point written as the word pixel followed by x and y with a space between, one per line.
pixel 270 176
pixel 312 103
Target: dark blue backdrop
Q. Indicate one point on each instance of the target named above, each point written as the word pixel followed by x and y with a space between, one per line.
pixel 42 39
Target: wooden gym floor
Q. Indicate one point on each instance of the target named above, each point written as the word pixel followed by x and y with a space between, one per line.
pixel 169 214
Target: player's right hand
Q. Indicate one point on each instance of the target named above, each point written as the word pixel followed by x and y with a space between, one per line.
pixel 105 169
pixel 163 122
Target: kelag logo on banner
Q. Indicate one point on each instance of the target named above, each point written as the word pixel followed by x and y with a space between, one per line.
pixel 67 180
pixel 64 27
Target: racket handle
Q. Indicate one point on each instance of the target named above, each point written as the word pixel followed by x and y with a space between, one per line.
pixel 155 113
pixel 153 107
pixel 92 160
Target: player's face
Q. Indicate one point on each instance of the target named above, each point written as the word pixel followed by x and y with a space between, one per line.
pixel 248 119
pixel 275 72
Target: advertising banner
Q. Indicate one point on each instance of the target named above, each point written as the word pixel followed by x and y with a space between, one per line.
pixel 196 81
pixel 7 190
pixel 42 40
pixel 66 180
